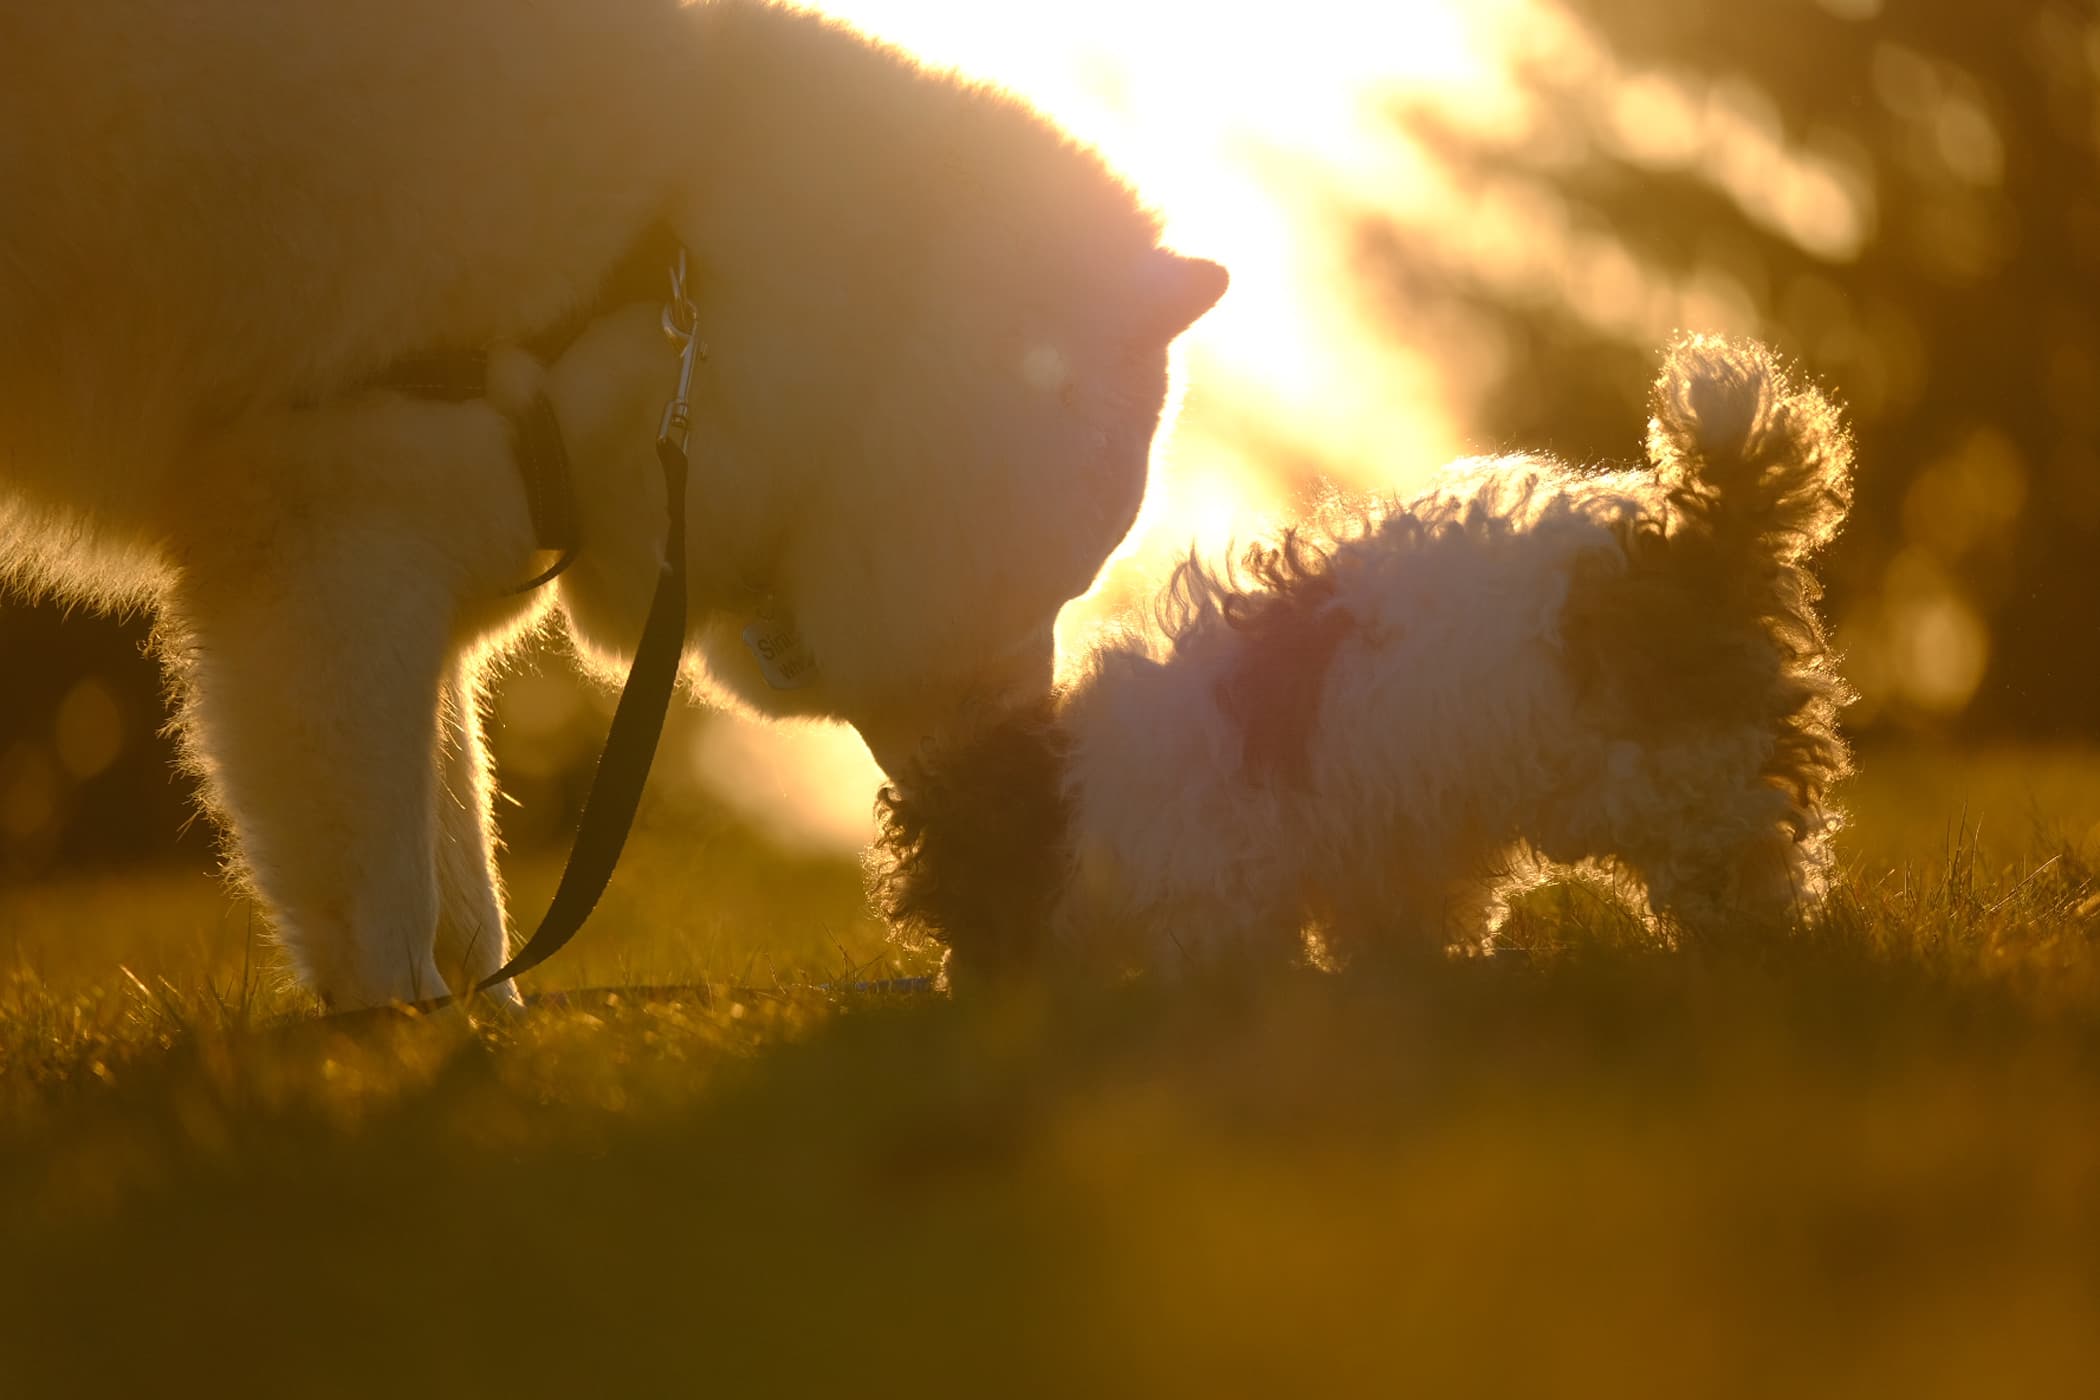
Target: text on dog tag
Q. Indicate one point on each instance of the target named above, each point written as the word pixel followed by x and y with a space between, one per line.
pixel 782 654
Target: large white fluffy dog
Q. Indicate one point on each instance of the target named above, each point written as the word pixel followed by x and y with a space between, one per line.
pixel 937 340
pixel 1377 729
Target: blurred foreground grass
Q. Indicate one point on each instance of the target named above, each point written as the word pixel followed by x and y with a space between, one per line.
pixel 1864 1163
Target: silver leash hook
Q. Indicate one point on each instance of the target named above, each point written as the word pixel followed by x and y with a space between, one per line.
pixel 680 315
pixel 681 323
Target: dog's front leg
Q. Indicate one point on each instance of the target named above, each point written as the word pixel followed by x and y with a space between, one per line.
pixel 311 713
pixel 328 568
pixel 471 938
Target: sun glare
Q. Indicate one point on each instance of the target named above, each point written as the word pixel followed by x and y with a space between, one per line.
pixel 1258 141
pixel 1262 142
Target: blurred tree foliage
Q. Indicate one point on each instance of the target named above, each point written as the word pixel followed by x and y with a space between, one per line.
pixel 1903 195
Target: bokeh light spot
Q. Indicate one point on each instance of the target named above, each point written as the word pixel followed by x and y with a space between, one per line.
pixel 89 730
pixel 29 789
pixel 1969 499
pixel 1937 644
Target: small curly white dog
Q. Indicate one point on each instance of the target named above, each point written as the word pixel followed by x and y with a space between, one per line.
pixel 1376 730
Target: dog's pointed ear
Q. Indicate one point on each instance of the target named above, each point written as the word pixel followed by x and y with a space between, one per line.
pixel 1178 290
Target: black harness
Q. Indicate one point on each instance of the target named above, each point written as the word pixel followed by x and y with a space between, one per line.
pixel 458 375
pixel 550 494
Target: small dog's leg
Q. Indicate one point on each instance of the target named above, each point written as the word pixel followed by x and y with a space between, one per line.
pixel 1732 876
pixel 471 940
pixel 1402 923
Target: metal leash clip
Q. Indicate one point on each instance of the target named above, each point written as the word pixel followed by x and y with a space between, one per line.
pixel 681 322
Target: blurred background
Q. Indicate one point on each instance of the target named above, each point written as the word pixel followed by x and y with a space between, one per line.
pixel 1454 226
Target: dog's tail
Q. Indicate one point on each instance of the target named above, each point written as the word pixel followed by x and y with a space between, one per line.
pixel 1755 459
pixel 1758 470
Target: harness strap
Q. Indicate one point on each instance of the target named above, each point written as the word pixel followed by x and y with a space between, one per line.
pixel 550 488
pixel 458 375
pixel 448 376
pixel 536 445
pixel 455 373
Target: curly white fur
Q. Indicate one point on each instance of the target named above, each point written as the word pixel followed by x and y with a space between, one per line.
pixel 1380 726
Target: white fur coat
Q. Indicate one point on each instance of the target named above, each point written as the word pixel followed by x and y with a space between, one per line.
pixel 937 341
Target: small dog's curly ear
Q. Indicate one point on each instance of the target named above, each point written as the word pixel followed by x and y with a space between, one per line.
pixel 1181 290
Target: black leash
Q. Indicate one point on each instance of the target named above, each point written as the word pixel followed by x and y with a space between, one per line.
pixel 630 746
pixel 638 719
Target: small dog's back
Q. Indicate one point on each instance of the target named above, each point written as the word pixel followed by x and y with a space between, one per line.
pixel 1531 664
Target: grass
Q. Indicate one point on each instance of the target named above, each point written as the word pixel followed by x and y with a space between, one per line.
pixel 1865 1162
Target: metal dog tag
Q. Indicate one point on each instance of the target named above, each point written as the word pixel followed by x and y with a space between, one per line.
pixel 782 654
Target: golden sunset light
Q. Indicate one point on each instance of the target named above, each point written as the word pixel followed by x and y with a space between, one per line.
pixel 1276 149
pixel 599 794
pixel 1268 149
pixel 1265 147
